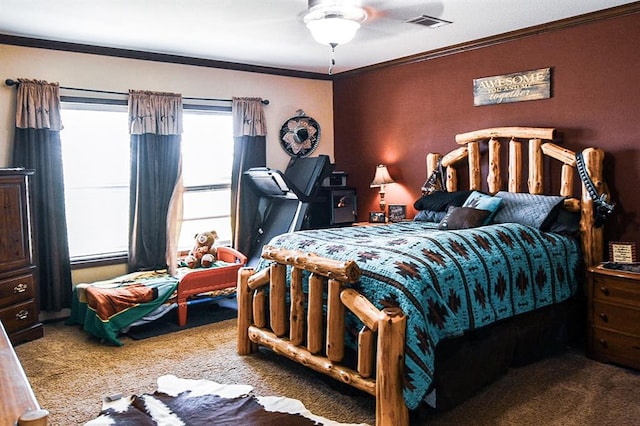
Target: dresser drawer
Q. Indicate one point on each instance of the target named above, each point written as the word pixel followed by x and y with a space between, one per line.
pixel 611 346
pixel 17 289
pixel 616 290
pixel 619 318
pixel 19 316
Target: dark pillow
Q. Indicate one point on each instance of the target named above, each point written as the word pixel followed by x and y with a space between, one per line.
pixel 429 216
pixel 539 211
pixel 463 218
pixel 567 223
pixel 440 201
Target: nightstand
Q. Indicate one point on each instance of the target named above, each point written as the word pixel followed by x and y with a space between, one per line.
pixel 614 316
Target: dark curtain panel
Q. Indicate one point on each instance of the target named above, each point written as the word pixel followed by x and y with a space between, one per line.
pixel 249 131
pixel 249 151
pixel 37 146
pixel 155 165
pixel 155 126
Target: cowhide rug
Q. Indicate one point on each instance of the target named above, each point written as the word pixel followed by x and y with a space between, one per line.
pixel 204 402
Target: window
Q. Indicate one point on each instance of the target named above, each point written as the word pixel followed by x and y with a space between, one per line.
pixel 95 159
pixel 207 158
pixel 95 152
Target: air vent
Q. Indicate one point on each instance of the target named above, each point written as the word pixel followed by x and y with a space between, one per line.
pixel 428 21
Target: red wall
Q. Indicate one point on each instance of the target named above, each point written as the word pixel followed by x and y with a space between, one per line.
pixel 395 115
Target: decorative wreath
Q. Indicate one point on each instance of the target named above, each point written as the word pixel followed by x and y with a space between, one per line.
pixel 300 135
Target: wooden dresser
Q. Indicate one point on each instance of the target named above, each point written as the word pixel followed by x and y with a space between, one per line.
pixel 19 309
pixel 614 316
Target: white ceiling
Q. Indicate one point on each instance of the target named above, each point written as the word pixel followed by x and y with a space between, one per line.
pixel 271 32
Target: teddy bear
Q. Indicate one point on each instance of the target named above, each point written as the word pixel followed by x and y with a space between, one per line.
pixel 203 253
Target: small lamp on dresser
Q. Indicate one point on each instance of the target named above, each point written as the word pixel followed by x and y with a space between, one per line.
pixel 380 179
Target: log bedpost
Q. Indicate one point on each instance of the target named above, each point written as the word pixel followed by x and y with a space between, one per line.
pixel 391 409
pixel 245 302
pixel 432 162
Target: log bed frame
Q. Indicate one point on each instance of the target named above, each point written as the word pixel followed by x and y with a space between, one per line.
pixel 306 339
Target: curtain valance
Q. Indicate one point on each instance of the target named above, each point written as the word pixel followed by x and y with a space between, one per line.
pixel 154 112
pixel 248 117
pixel 38 105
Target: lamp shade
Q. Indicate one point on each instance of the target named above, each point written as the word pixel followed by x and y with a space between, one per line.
pixel 333 30
pixel 381 177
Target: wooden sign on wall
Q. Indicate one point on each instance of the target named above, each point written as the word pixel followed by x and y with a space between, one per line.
pixel 516 87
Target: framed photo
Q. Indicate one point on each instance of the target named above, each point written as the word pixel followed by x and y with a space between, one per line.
pixel 377 217
pixel 622 252
pixel 397 212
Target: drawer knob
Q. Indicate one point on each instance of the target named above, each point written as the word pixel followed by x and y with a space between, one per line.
pixel 22 315
pixel 604 291
pixel 604 317
pixel 20 288
pixel 603 343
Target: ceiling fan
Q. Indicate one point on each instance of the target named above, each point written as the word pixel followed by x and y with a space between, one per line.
pixel 336 22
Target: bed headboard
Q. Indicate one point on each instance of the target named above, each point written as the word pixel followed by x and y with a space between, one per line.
pixel 540 147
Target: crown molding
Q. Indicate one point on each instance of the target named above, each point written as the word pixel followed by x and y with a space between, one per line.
pixel 156 57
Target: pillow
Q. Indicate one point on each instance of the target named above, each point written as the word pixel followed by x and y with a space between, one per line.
pixel 440 201
pixel 463 218
pixel 481 201
pixel 567 223
pixel 429 216
pixel 539 211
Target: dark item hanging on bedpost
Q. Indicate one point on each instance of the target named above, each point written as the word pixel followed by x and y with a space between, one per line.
pixel 435 182
pixel 603 208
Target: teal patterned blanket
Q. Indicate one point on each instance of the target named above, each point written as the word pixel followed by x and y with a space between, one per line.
pixel 447 282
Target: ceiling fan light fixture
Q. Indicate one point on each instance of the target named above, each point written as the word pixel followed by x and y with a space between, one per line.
pixel 334 23
pixel 335 30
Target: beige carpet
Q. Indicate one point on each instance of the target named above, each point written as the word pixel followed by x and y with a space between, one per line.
pixel 71 372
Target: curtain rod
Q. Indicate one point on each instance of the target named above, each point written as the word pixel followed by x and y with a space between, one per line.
pixel 10 82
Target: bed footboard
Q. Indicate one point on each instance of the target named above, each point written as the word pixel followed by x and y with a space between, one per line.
pixel 294 324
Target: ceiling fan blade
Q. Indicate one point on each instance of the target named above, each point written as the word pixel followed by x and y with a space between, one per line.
pixel 402 10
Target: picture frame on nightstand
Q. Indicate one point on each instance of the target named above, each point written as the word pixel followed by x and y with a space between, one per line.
pixel 622 252
pixel 377 217
pixel 397 212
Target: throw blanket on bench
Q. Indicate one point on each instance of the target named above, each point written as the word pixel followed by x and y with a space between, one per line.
pixel 106 307
pixel 110 301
